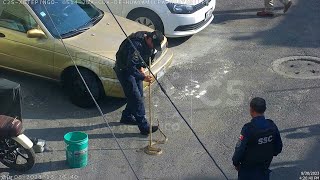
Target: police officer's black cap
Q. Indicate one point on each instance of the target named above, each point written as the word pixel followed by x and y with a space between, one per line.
pixel 258 104
pixel 157 38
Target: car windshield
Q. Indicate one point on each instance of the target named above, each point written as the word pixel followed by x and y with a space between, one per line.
pixel 66 18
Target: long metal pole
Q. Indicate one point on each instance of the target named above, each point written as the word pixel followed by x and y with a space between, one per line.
pixel 150 109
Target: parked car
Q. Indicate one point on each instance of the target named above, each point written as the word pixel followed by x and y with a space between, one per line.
pixel 175 18
pixel 30 43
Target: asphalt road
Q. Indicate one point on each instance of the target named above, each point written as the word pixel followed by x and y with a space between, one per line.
pixel 214 75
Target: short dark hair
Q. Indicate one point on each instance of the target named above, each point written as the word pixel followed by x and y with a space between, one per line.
pixel 258 105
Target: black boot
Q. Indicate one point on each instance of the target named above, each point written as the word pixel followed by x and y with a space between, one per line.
pixel 146 131
pixel 128 121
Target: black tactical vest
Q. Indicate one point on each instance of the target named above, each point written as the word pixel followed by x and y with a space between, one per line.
pixel 122 54
pixel 260 148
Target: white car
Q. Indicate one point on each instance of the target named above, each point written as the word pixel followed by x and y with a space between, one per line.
pixel 175 18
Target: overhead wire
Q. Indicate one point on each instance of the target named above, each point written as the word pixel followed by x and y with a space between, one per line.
pixel 155 78
pixel 165 93
pixel 94 100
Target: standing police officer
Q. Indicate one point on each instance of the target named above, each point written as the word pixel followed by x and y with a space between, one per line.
pixel 130 72
pixel 259 141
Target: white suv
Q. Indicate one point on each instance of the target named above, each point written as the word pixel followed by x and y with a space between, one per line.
pixel 176 18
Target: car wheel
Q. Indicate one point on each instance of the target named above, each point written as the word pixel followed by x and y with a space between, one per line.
pixel 76 89
pixel 147 18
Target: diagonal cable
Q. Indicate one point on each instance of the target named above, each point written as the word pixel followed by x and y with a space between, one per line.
pixel 165 93
pixel 95 102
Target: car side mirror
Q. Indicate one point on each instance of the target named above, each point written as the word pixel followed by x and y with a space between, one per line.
pixel 36 33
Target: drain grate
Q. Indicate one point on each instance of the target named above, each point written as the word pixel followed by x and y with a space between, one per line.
pixel 301 67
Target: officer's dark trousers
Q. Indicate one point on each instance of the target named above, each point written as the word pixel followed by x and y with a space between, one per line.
pixel 255 173
pixel 133 90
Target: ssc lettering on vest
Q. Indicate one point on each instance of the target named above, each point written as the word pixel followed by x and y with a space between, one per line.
pixel 265 140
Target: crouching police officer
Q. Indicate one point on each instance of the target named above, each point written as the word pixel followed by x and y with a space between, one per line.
pixel 130 72
pixel 259 141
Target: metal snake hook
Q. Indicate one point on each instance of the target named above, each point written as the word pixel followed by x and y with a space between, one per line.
pixel 162 133
pixel 150 149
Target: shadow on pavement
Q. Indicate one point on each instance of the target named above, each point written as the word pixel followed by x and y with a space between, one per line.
pixel 298 28
pixel 44 99
pixel 313 130
pixel 39 168
pixel 311 162
pixel 173 42
pixel 293 89
pixel 285 173
pixel 118 135
pixel 231 15
pixel 43 133
pixel 294 169
pixel 242 10
pixel 222 18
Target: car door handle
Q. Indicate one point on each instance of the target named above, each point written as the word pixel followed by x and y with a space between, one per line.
pixel 2 35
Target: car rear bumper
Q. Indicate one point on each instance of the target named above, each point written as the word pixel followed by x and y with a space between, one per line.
pixel 113 87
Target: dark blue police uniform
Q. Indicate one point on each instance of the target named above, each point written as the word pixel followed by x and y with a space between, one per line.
pixel 259 141
pixel 131 79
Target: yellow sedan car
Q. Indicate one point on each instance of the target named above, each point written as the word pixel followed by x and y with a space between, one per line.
pixel 30 33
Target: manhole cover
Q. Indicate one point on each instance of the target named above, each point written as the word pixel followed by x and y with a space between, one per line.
pixel 301 67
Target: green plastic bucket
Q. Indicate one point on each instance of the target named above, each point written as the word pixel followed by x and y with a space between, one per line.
pixel 76 149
